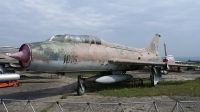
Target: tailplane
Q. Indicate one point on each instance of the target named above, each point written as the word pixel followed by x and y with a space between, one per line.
pixel 153 44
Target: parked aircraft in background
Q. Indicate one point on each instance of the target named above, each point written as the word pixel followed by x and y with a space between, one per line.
pixel 8 65
pixel 173 63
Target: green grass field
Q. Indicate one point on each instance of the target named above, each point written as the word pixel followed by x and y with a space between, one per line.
pixel 169 88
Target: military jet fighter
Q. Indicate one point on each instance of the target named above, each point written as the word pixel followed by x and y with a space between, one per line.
pixel 80 54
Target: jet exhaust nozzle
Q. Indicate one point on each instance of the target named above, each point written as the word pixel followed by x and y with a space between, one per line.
pixel 23 55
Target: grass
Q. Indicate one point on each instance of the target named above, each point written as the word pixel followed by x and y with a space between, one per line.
pixel 85 75
pixel 64 96
pixel 196 64
pixel 169 88
pixel 48 108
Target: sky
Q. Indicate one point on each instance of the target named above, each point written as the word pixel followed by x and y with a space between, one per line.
pixel 128 22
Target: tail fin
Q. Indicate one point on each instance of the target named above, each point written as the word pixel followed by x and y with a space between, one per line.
pixel 153 45
pixel 165 49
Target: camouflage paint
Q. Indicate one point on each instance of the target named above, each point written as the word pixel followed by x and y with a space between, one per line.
pixel 77 53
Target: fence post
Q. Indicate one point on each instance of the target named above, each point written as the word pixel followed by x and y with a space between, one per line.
pixel 32 106
pixel 155 106
pixel 119 105
pixel 4 105
pixel 178 103
pixel 59 106
pixel 28 103
pixel 88 106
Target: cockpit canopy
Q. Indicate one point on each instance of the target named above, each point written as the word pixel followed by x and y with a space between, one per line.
pixel 76 38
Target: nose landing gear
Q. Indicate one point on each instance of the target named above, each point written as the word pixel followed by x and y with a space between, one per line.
pixel 81 86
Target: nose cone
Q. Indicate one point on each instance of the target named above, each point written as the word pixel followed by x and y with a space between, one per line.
pixel 23 55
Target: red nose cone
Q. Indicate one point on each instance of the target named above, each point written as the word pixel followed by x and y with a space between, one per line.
pixel 23 55
pixel 165 60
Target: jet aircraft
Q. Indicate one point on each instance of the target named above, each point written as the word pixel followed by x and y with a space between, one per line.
pixel 173 63
pixel 79 54
pixel 8 65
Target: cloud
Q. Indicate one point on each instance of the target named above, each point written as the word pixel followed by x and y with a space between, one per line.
pixel 129 22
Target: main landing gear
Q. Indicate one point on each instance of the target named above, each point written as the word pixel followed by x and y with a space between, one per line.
pixel 155 75
pixel 81 86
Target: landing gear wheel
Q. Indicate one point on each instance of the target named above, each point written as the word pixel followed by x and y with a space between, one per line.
pixel 155 75
pixel 80 90
pixel 81 87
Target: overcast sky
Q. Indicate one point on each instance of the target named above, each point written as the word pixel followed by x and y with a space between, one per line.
pixel 128 22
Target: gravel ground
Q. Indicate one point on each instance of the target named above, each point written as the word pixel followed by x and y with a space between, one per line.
pixel 48 87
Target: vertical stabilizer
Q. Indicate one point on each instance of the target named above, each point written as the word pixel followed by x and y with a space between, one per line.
pixel 165 49
pixel 153 44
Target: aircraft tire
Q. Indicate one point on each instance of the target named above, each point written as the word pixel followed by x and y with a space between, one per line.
pixel 80 90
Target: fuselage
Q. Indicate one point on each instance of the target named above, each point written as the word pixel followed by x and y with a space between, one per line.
pixel 78 53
